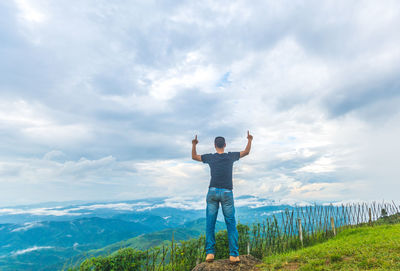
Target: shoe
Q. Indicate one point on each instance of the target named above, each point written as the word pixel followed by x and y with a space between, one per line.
pixel 210 258
pixel 234 260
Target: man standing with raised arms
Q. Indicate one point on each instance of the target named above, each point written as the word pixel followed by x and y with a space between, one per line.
pixel 220 191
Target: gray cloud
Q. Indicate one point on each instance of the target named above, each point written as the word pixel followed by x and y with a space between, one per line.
pixel 364 94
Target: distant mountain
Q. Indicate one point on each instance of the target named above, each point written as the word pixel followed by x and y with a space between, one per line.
pixel 122 209
pixel 55 241
pixel 51 233
pixel 180 210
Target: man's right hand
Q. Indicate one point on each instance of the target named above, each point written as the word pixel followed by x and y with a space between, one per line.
pixel 249 136
pixel 248 147
pixel 195 141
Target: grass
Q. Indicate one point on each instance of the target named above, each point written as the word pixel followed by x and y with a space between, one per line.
pixel 362 248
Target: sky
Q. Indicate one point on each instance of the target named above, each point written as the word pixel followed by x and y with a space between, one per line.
pixel 99 100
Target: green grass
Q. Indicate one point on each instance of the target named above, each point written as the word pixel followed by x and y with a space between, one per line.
pixel 362 248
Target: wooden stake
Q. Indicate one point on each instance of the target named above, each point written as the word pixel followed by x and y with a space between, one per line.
pixel 172 250
pixel 333 226
pixel 370 216
pixel 300 231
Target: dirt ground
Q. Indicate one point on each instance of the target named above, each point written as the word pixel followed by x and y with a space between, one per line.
pixel 247 263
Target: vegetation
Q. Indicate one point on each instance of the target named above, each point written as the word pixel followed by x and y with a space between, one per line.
pixel 183 255
pixel 361 248
pixel 149 240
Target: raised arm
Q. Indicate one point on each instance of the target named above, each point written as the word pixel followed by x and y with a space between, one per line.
pixel 248 147
pixel 195 156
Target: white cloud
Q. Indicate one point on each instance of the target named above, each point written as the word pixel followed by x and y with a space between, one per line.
pixel 193 72
pixel 27 226
pixel 37 212
pixel 30 13
pixel 62 211
pixel 54 154
pixel 27 250
pixel 324 164
pixel 114 206
pixel 33 122
pixel 186 203
pixel 20 113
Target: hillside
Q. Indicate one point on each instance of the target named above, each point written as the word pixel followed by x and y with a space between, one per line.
pixel 361 248
pixel 189 230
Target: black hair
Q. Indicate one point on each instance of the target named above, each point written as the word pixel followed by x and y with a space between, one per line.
pixel 219 141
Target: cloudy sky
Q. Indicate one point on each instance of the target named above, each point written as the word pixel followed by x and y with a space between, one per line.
pixel 99 100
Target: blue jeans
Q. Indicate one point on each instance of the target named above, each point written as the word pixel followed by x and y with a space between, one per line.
pixel 214 197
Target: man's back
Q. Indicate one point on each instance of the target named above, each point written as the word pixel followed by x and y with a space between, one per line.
pixel 220 192
pixel 221 165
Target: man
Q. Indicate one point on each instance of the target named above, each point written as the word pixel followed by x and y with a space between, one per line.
pixel 220 191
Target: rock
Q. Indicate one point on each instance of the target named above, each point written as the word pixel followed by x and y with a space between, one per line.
pixel 247 263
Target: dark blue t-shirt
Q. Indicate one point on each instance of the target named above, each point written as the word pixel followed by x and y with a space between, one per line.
pixel 221 165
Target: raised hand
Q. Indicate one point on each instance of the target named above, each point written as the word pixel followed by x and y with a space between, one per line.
pixel 249 136
pixel 195 141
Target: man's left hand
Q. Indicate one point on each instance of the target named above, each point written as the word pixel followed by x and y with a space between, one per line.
pixel 195 141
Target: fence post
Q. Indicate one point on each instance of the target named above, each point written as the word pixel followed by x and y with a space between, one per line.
pixel 300 231
pixel 370 217
pixel 333 226
pixel 172 250
pixel 163 257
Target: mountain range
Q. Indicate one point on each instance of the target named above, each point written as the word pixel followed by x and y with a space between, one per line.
pixel 52 235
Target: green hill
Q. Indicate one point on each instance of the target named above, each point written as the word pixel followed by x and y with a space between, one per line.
pixel 190 230
pixel 362 248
